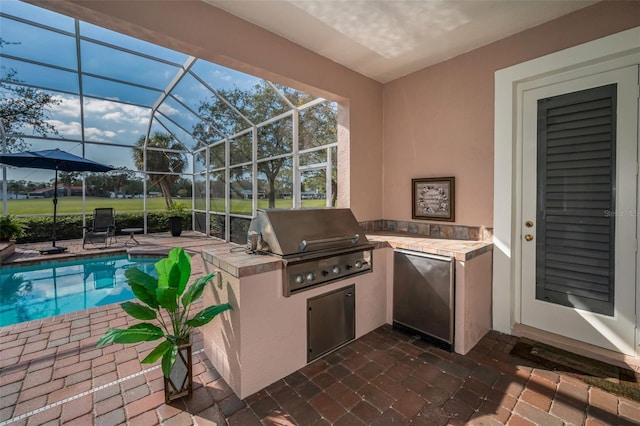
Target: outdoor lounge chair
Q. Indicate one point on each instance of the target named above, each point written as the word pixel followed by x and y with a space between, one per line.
pixel 102 229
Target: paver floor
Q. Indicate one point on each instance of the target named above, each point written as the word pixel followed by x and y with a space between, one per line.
pixel 52 373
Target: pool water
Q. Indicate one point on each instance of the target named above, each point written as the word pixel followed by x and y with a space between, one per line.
pixel 44 290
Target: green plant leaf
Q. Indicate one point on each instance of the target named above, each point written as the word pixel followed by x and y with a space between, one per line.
pixel 142 332
pixel 168 298
pixel 136 276
pixel 138 311
pixel 183 260
pixel 194 292
pixel 207 314
pixel 168 359
pixel 159 351
pixel 168 273
pixel 146 296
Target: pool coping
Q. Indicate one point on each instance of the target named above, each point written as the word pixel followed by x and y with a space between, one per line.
pixel 76 256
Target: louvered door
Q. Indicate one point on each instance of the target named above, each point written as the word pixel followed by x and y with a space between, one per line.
pixel 575 236
pixel 579 213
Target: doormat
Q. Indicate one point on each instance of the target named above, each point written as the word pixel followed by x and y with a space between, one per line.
pixel 619 381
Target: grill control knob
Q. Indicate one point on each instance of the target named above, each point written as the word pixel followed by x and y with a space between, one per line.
pixel 358 264
pixel 311 276
pixel 299 279
pixel 348 266
pixel 325 273
pixel 336 270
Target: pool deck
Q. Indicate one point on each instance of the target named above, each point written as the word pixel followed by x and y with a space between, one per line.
pixel 52 373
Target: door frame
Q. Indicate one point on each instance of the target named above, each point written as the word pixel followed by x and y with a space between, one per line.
pixel 610 52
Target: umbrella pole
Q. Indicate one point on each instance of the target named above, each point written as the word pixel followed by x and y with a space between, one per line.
pixel 53 248
pixel 55 207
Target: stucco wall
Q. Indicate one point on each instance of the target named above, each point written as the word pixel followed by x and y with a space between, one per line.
pixel 201 30
pixel 439 121
pixel 435 122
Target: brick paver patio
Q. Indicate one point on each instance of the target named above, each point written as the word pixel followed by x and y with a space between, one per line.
pixel 52 373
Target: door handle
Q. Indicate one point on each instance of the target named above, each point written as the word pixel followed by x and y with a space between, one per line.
pixel 528 237
pixel 528 224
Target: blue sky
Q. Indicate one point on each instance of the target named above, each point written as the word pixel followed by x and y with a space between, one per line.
pixel 113 112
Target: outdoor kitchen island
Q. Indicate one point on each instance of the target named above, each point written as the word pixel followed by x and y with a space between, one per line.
pixel 264 337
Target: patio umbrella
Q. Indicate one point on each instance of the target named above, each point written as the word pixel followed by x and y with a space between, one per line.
pixel 53 159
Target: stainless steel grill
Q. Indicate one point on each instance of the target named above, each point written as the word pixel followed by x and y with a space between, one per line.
pixel 317 246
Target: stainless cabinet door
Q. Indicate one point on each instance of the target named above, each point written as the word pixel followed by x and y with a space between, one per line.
pixel 331 321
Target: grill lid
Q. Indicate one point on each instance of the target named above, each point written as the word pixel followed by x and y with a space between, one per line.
pixel 294 231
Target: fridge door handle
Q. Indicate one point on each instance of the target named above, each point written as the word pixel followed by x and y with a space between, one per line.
pixel 423 254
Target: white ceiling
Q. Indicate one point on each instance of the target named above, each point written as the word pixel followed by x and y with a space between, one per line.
pixel 387 39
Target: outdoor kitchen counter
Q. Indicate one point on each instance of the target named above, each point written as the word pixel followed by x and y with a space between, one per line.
pixel 461 250
pixel 472 318
pixel 263 338
pixel 234 259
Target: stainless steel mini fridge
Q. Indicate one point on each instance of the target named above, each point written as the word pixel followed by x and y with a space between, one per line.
pixel 423 295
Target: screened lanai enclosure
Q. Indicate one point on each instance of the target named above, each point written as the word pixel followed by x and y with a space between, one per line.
pixel 178 129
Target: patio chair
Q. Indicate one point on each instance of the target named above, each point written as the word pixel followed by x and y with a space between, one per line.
pixel 103 228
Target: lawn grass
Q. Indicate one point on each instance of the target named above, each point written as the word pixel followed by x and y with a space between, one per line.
pixel 74 205
pixel 44 206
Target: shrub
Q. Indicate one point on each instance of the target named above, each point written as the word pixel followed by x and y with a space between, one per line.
pixel 11 227
pixel 70 227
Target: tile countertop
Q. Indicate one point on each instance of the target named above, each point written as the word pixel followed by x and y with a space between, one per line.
pixel 234 259
pixel 462 250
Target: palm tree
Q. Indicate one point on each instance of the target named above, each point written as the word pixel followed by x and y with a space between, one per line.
pixel 160 162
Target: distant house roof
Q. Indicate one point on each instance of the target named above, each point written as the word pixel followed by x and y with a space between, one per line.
pixel 50 188
pixel 45 189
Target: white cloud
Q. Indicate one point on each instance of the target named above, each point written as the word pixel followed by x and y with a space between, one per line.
pixel 68 107
pixel 168 110
pixel 104 120
pixel 96 134
pixel 67 129
pixel 222 75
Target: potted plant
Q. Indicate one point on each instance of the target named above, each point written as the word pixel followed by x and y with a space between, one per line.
pixel 168 301
pixel 176 212
pixel 11 228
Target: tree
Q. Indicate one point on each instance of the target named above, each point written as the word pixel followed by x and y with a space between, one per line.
pixel 161 161
pixel 117 179
pixel 22 107
pixel 16 186
pixel 182 187
pixel 96 184
pixel 274 139
pixel 134 186
pixel 68 179
pixel 319 127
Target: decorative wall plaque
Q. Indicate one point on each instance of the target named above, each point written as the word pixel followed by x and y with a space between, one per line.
pixel 433 198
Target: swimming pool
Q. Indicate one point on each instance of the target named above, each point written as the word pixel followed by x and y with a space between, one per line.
pixel 44 290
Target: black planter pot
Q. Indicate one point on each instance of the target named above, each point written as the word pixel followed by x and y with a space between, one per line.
pixel 175 225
